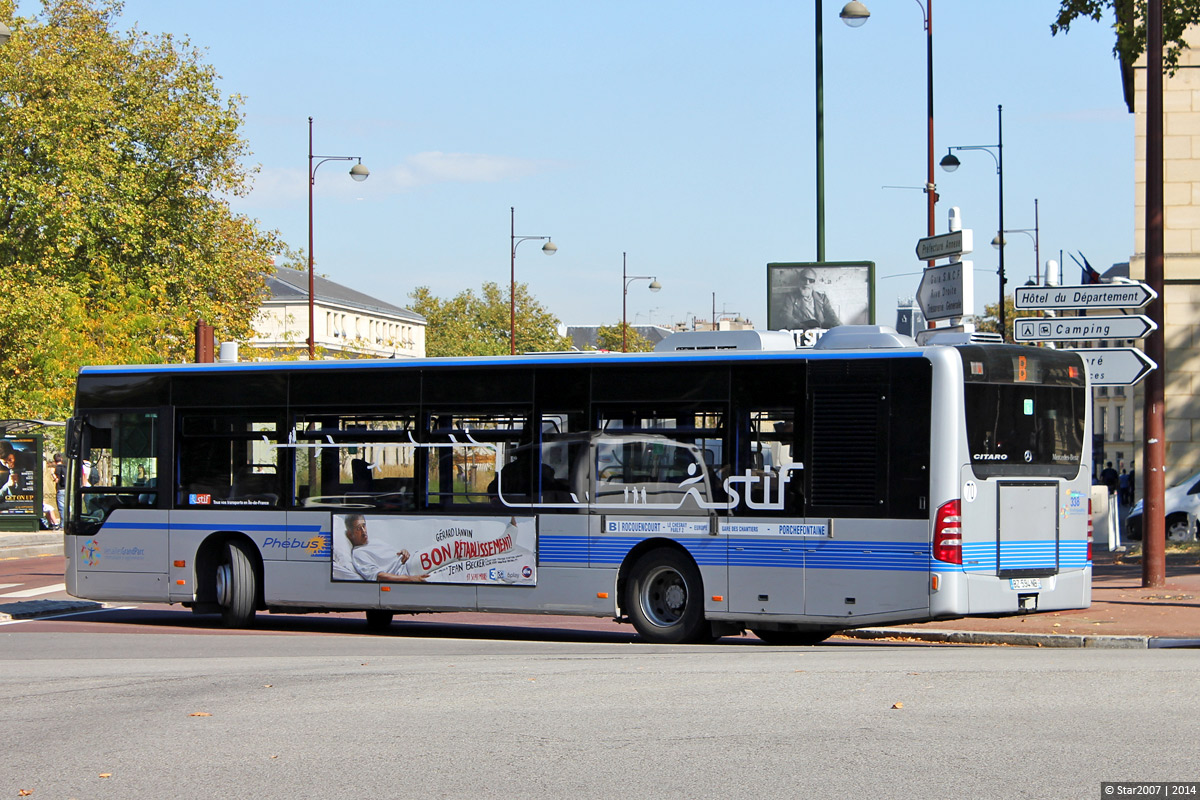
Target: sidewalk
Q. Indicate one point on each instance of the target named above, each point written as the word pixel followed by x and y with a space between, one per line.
pixel 1122 614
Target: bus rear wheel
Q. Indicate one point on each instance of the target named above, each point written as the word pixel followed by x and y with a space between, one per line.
pixel 791 638
pixel 237 587
pixel 665 598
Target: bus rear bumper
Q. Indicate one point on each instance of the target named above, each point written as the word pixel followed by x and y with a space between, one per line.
pixel 964 593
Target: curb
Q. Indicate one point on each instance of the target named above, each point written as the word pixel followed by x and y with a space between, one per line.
pixel 32 609
pixel 1019 639
pixel 30 545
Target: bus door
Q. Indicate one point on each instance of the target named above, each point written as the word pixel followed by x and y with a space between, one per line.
pixel 116 542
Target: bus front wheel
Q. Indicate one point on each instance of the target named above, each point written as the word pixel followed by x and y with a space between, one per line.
pixel 665 598
pixel 237 587
pixel 791 638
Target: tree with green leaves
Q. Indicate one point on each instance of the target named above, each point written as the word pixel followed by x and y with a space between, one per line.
pixel 609 338
pixel 989 323
pixel 470 324
pixel 117 152
pixel 1129 25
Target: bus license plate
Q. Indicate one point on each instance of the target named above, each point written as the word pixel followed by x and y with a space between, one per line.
pixel 1023 584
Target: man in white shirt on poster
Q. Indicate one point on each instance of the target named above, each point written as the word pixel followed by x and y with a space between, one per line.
pixel 376 562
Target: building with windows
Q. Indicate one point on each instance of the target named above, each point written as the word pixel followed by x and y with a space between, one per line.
pixel 346 322
pixel 1181 289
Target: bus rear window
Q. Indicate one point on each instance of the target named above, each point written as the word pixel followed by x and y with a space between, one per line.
pixel 1024 429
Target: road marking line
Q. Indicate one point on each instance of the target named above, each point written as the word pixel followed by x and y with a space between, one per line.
pixel 8 585
pixel 57 587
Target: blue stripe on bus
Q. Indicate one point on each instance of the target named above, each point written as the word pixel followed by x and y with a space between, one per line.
pixel 154 526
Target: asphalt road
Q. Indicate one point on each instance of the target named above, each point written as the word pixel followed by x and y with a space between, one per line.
pixel 264 715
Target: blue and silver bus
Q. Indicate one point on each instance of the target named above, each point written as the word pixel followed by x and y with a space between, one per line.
pixel 694 493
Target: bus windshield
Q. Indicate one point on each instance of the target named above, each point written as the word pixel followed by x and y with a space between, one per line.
pixel 1024 412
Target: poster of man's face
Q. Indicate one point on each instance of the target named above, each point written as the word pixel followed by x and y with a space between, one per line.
pixel 815 297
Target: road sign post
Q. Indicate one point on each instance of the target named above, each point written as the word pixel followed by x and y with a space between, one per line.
pixel 1071 329
pixel 1106 295
pixel 947 245
pixel 947 291
pixel 1116 366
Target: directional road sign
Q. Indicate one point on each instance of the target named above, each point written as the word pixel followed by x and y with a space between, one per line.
pixel 955 243
pixel 1116 366
pixel 1095 295
pixel 947 291
pixel 1069 329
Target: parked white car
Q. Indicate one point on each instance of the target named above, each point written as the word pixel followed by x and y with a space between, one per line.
pixel 1181 503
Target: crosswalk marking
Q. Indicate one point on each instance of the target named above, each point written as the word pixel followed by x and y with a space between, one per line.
pixel 57 587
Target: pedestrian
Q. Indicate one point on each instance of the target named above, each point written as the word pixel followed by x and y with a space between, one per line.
pixel 1125 488
pixel 1109 477
pixel 60 487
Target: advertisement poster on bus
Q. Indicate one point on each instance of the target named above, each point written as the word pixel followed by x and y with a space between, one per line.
pixel 809 298
pixel 472 550
pixel 19 465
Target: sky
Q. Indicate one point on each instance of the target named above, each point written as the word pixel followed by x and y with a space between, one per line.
pixel 680 134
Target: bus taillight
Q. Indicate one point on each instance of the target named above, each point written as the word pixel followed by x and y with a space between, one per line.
pixel 947 533
pixel 1089 547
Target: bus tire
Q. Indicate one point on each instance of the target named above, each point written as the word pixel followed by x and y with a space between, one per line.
pixel 237 587
pixel 665 598
pixel 379 620
pixel 791 638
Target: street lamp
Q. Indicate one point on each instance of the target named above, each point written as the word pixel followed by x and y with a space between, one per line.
pixel 950 163
pixel 549 248
pixel 359 173
pixel 1032 233
pixel 627 279
pixel 853 14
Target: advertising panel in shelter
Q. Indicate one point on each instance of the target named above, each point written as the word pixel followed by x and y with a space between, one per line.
pixel 20 462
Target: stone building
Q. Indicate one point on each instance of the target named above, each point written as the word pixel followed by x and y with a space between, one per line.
pixel 346 322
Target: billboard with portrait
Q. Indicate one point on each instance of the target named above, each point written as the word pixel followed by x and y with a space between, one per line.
pixel 809 298
pixel 20 473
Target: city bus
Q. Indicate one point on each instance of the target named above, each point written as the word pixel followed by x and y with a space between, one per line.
pixel 695 492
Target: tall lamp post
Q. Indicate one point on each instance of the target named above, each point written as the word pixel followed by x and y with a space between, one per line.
pixel 627 279
pixel 359 173
pixel 854 15
pixel 549 248
pixel 950 163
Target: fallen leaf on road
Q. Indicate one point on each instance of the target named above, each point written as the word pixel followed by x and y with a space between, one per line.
pixel 200 714
pixel 897 705
pixel 105 774
pixel 25 793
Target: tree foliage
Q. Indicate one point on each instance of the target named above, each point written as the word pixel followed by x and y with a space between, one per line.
pixel 116 155
pixel 1129 24
pixel 609 338
pixel 470 324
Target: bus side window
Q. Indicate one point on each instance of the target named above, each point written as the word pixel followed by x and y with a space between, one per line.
pixel 228 460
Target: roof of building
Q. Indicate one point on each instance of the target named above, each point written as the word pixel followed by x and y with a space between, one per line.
pixel 289 285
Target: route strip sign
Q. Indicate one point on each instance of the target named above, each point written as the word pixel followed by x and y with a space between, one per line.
pixel 944 246
pixel 1115 366
pixel 1095 295
pixel 1067 329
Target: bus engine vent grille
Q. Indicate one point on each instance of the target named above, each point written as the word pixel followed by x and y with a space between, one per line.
pixel 845 448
